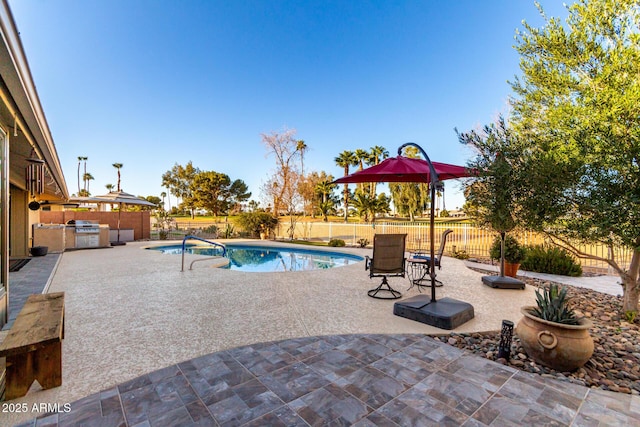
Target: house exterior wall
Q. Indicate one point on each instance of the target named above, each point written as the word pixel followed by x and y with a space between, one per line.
pixel 19 223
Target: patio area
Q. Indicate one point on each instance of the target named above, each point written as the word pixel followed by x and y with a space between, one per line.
pixel 146 344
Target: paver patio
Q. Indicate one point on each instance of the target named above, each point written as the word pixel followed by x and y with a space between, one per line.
pixel 140 331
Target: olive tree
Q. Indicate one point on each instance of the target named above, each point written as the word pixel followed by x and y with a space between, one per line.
pixel 494 193
pixel 576 107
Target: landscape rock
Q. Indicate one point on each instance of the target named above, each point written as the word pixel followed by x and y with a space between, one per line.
pixel 615 364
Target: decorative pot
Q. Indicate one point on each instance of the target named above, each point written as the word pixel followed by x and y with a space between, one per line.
pixel 511 269
pixel 556 345
pixel 39 250
pixel 263 236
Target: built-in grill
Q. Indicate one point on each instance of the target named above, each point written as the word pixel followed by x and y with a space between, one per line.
pixel 87 234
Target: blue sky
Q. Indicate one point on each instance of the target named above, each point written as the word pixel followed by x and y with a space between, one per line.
pixel 152 83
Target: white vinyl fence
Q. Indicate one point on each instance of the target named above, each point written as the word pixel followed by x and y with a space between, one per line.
pixel 465 237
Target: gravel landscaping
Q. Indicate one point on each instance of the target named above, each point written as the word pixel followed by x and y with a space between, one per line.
pixel 615 364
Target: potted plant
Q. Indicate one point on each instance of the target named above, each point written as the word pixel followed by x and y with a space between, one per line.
pixel 551 332
pixel 514 253
pixel 39 250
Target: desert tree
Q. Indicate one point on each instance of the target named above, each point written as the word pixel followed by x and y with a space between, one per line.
pixel 215 192
pixel 576 107
pixel 178 181
pixel 282 186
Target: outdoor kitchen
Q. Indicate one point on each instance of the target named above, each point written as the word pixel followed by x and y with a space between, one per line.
pixel 75 234
pixel 69 229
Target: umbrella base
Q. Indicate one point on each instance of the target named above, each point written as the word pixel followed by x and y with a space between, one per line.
pixel 118 243
pixel 502 282
pixel 446 313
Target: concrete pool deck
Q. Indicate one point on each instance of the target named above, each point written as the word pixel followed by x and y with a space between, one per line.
pixel 131 312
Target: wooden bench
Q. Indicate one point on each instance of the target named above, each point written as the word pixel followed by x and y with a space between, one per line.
pixel 33 347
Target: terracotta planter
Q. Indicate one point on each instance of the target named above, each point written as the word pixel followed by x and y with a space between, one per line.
pixel 510 269
pixel 558 346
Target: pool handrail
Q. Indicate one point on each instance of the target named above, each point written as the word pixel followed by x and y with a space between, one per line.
pixel 190 237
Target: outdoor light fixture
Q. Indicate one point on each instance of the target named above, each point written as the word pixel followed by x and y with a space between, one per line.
pixel 504 349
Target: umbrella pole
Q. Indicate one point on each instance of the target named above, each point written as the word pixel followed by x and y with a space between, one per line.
pixel 432 226
pixel 447 313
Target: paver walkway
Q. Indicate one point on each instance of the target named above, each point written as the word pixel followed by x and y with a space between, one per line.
pixel 604 283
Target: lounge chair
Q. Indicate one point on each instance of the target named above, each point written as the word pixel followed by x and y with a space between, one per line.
pixel 388 260
pixel 419 262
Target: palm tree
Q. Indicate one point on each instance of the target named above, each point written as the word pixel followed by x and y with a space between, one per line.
pixel 163 195
pixel 109 188
pixel 378 153
pixel 169 201
pixel 80 159
pixel 301 147
pixel 325 189
pixel 87 177
pixel 345 160
pixel 361 156
pixel 118 166
pixel 367 207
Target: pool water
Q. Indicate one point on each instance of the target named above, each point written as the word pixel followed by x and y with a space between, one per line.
pixel 268 259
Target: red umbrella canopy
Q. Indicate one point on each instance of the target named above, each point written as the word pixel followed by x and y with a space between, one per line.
pixel 405 169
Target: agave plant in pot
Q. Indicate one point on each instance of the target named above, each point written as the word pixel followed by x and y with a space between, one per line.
pixel 551 332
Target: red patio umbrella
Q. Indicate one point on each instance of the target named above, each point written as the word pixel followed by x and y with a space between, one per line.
pixel 405 169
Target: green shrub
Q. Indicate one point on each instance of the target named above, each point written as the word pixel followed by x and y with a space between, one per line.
pixel 336 242
pixel 513 252
pixel 550 259
pixel 212 229
pixel 459 254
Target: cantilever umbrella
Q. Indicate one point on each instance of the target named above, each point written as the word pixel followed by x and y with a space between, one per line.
pixel 121 198
pixel 405 169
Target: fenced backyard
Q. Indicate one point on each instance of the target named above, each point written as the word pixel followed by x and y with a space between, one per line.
pixel 475 241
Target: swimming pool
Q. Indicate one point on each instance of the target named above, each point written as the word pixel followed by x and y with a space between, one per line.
pixel 254 258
